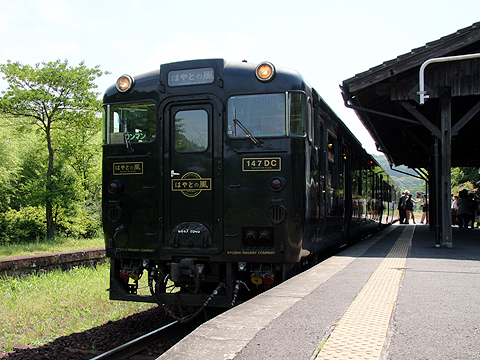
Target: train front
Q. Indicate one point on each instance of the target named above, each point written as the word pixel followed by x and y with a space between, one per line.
pixel 206 172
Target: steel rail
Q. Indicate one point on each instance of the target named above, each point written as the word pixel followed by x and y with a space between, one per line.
pixel 134 346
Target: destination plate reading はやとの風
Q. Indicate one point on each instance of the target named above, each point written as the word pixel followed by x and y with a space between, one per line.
pixel 128 168
pixel 191 184
pixel 191 77
pixel 262 164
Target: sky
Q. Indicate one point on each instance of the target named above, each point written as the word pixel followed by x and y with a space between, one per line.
pixel 326 41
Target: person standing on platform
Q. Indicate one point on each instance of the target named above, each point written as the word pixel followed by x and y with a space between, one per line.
pixel 425 205
pixel 454 210
pixel 401 208
pixel 463 214
pixel 472 208
pixel 409 208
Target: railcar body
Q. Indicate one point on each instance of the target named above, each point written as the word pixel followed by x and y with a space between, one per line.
pixel 221 177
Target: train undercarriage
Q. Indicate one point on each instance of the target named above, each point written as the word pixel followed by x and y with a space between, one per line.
pixel 194 282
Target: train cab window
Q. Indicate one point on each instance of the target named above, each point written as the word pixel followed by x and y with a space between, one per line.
pixel 267 115
pixel 310 125
pixel 261 115
pixel 191 130
pixel 297 113
pixel 130 122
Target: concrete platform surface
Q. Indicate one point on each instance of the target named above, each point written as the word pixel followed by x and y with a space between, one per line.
pixel 392 296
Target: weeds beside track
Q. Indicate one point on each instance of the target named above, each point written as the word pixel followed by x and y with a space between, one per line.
pixel 42 307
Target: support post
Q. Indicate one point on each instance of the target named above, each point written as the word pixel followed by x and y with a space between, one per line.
pixel 446 167
pixel 435 203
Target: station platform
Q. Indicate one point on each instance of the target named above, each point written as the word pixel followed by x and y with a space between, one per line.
pixel 394 295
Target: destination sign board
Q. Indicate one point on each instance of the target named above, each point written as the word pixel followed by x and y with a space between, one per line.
pixel 188 77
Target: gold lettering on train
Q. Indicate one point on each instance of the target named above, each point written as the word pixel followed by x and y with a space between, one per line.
pixel 128 168
pixel 262 164
pixel 191 184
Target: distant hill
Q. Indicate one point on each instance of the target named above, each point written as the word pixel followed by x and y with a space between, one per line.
pixel 404 181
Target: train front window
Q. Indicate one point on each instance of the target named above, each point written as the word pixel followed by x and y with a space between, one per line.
pixel 191 130
pixel 131 123
pixel 267 115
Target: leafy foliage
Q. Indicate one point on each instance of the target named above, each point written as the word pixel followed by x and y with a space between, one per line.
pixel 24 225
pixel 9 165
pixel 465 178
pixel 58 101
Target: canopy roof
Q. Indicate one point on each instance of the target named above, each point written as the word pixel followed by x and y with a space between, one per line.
pixel 386 101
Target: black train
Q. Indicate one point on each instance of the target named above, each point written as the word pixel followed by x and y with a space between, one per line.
pixel 222 179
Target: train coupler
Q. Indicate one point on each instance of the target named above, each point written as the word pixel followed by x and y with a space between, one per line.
pixel 237 289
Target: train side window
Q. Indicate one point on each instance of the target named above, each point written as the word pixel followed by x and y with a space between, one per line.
pixel 331 148
pixel 191 130
pixel 130 122
pixel 310 127
pixel 297 113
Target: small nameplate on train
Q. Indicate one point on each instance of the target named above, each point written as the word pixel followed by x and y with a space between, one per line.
pixel 128 168
pixel 262 164
pixel 191 77
pixel 191 184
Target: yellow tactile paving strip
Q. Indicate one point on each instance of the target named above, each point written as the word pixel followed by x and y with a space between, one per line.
pixel 361 332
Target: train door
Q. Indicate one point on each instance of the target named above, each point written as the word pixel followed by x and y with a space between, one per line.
pixel 190 178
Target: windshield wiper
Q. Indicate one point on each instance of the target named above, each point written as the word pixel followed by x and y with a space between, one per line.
pixel 245 130
pixel 128 144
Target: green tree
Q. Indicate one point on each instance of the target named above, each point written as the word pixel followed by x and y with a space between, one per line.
pixel 6 154
pixel 465 178
pixel 465 174
pixel 55 97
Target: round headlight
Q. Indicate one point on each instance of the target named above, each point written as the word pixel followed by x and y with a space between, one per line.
pixel 124 83
pixel 115 187
pixel 277 184
pixel 265 71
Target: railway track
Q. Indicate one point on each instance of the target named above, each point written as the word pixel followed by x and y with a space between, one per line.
pixel 148 334
pixel 176 330
pixel 135 346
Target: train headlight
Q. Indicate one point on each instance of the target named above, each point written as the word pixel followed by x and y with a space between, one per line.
pixel 277 184
pixel 124 83
pixel 265 71
pixel 115 187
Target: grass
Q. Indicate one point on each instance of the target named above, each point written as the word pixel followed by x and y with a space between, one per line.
pixel 47 246
pixel 40 308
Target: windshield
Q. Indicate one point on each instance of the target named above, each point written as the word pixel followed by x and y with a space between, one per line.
pixel 267 115
pixel 130 123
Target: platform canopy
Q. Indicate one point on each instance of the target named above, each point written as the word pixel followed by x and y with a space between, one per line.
pixel 386 100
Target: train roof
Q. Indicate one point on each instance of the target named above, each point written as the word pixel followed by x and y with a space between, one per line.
pixel 230 78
